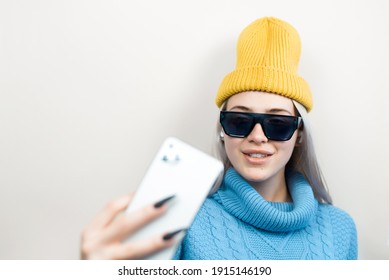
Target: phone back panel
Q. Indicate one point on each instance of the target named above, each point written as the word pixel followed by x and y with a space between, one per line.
pixel 181 170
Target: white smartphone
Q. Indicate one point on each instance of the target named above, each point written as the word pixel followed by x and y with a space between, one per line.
pixel 184 172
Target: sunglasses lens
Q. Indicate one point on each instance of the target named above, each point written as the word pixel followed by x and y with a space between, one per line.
pixel 236 125
pixel 275 127
pixel 279 128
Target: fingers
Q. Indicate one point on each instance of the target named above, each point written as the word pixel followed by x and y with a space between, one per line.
pixel 142 248
pixel 127 224
pixel 131 250
pixel 102 239
pixel 92 234
pixel 110 212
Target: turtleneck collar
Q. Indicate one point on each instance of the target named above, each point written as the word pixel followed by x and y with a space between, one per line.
pixel 242 201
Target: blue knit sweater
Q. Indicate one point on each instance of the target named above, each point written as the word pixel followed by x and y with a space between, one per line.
pixel 237 223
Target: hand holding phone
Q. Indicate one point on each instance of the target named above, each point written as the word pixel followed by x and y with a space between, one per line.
pixel 183 174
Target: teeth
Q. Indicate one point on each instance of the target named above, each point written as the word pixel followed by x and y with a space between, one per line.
pixel 257 155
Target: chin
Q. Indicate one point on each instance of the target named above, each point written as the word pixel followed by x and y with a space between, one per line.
pixel 256 175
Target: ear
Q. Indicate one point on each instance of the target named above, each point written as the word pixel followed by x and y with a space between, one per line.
pixel 299 138
pixel 221 136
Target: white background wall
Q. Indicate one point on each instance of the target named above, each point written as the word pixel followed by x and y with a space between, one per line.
pixel 89 89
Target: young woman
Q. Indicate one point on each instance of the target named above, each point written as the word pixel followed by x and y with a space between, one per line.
pixel 272 202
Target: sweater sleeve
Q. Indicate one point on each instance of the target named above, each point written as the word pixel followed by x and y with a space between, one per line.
pixel 345 235
pixel 177 254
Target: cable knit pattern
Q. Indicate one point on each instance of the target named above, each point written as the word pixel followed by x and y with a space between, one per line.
pixel 238 223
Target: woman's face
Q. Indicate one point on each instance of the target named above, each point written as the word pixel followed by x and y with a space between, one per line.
pixel 254 157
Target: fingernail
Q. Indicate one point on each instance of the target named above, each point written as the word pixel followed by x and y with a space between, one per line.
pixel 163 201
pixel 169 236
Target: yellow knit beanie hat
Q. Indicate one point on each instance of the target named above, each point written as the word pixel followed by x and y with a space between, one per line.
pixel 268 53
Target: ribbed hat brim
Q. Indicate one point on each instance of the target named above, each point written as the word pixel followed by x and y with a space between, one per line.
pixel 268 80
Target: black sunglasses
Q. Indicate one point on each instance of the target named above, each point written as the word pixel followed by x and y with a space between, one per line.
pixel 275 127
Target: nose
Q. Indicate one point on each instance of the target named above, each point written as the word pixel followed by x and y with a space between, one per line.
pixel 257 135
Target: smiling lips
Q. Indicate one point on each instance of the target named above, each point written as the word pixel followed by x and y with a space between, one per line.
pixel 257 156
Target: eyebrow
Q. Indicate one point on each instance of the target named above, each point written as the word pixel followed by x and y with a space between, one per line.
pixel 272 110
